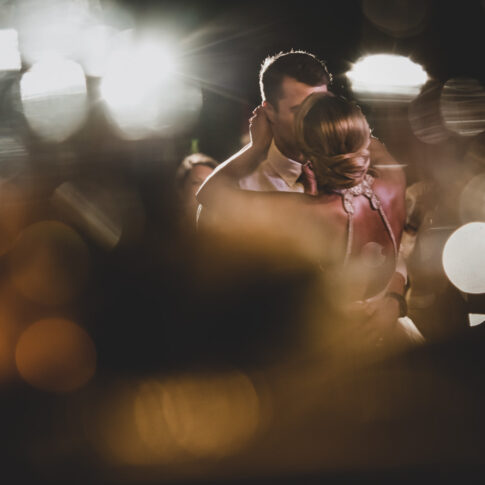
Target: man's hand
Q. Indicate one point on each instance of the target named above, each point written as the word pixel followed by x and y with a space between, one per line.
pixel 260 131
pixel 383 312
pixel 374 323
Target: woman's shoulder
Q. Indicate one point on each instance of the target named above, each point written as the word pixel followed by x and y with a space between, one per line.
pixel 389 185
pixel 391 193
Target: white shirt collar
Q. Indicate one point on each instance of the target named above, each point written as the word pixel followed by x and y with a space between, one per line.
pixel 289 170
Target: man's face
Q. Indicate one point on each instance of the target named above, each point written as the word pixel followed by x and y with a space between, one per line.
pixel 282 116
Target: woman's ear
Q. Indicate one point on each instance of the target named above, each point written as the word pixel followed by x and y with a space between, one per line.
pixel 270 111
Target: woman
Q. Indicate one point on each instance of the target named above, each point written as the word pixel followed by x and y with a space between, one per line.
pixel 360 212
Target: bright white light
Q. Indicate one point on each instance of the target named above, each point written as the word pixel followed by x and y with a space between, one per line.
pixel 54 97
pixel 50 26
pixel 142 92
pixel 98 41
pixel 464 258
pixel 134 73
pixel 52 76
pixel 9 50
pixel 475 319
pixel 387 74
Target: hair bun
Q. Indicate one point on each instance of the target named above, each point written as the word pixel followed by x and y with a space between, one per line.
pixel 334 135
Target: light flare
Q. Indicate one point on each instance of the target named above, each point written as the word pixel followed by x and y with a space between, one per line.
pixel 9 50
pixel 54 97
pixel 475 319
pixel 389 75
pixel 143 92
pixel 464 258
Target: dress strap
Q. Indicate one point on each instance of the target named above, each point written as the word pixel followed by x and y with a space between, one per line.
pixel 348 195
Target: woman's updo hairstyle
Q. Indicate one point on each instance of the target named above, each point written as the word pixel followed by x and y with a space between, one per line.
pixel 334 135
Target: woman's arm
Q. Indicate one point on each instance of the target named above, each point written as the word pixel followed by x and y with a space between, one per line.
pixel 227 174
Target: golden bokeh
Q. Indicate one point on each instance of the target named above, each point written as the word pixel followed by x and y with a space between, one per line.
pixel 11 326
pixel 49 263
pixel 7 364
pixel 129 428
pixel 178 420
pixel 12 215
pixel 150 421
pixel 213 415
pixel 56 355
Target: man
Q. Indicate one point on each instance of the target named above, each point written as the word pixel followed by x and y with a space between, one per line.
pixel 286 79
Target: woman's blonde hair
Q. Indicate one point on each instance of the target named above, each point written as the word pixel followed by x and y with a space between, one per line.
pixel 334 136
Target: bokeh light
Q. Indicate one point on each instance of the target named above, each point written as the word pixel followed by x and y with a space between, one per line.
pixel 463 106
pixel 464 258
pixel 425 116
pixel 475 319
pixel 151 424
pixel 109 213
pixel 49 263
pixel 49 26
pixel 472 200
pixel 13 215
pixel 214 415
pixel 98 42
pixel 9 333
pixel 85 210
pixel 392 77
pixel 395 17
pixel 144 94
pixel 475 155
pixel 55 355
pixel 426 261
pixel 54 98
pixel 176 419
pixel 9 50
pixel 115 432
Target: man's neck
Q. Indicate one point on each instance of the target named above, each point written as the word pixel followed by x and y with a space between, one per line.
pixel 286 151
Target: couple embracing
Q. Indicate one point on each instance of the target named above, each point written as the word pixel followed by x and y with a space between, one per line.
pixel 312 158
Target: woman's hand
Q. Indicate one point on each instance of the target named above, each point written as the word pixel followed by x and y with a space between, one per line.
pixel 260 131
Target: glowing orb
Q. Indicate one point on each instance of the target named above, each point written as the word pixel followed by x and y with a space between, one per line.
pixel 385 74
pixel 464 258
pixel 463 106
pixel 9 50
pixel 476 319
pixel 55 355
pixel 54 98
pixel 143 93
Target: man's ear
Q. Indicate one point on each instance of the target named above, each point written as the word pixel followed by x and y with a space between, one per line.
pixel 270 111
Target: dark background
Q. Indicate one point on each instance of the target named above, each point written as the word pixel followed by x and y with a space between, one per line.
pixel 239 35
pixel 152 305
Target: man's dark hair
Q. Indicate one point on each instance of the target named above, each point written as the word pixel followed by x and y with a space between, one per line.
pixel 299 65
